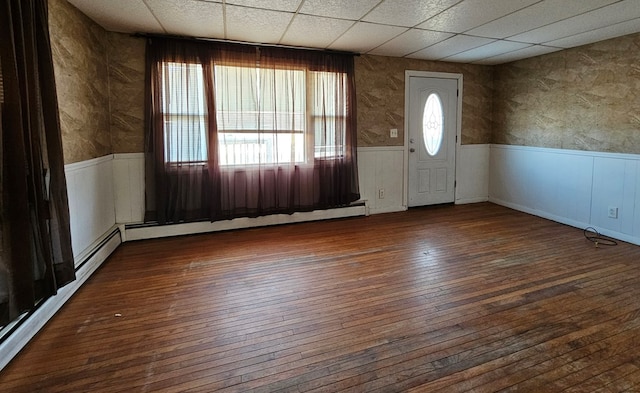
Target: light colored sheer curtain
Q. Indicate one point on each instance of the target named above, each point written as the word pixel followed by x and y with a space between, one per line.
pixel 260 130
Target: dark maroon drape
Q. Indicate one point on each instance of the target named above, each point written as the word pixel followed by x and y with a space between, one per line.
pixel 36 256
pixel 209 189
pixel 174 192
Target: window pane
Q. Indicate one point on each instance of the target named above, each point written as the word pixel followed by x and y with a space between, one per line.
pixel 185 138
pixel 183 103
pixel 260 148
pixel 328 106
pixel 261 114
pixel 236 98
pixel 183 89
pixel 432 124
pixel 266 109
pixel 260 99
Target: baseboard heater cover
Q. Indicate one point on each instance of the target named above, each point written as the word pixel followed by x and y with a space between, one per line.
pixel 142 231
pixel 21 331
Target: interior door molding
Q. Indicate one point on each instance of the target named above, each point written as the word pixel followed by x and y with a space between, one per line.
pixel 428 74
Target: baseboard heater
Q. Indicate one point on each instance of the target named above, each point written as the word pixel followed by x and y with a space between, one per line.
pixel 19 332
pixel 153 230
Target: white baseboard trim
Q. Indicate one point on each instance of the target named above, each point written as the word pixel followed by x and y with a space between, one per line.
pixel 387 209
pixel 567 221
pixel 463 201
pixel 31 324
pixel 157 231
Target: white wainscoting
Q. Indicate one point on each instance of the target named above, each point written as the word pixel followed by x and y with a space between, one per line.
pixel 472 173
pixel 91 202
pixel 128 187
pixel 382 168
pixel 568 186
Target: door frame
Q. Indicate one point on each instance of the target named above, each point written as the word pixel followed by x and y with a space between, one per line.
pixel 428 74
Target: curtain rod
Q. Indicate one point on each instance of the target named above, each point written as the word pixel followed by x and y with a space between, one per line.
pixel 205 39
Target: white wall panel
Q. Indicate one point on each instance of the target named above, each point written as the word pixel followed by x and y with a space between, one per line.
pixel 548 182
pixel 128 187
pixel 91 206
pixel 636 216
pixel 572 174
pixel 568 186
pixel 629 206
pixel 367 175
pixel 382 168
pixel 472 174
pixel 614 186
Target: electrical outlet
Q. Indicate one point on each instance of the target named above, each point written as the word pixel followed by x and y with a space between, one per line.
pixel 613 212
pixel 393 133
pixel 381 193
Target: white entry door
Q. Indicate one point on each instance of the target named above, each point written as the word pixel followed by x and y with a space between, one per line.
pixel 432 140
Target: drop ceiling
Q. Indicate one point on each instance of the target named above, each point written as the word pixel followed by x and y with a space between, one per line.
pixel 466 31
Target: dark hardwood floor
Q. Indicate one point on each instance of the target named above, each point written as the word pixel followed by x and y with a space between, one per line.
pixel 452 298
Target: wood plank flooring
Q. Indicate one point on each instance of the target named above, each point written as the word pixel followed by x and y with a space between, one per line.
pixel 451 298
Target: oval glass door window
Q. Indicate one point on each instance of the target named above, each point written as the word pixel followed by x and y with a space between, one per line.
pixel 432 124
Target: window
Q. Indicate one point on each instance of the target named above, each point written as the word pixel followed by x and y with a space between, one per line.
pixel 263 116
pixel 244 131
pixel 260 115
pixel 432 124
pixel 184 113
pixel 328 113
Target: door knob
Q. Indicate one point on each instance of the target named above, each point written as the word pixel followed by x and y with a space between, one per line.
pixel 412 150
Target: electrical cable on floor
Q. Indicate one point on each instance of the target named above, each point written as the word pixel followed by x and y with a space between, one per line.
pixel 595 237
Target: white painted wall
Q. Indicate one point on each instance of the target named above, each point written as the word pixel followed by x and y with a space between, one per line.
pixel 472 173
pixel 568 186
pixel 382 168
pixel 91 202
pixel 128 187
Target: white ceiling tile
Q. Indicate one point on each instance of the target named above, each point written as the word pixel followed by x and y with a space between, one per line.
pixel 531 51
pixel 353 9
pixel 537 15
pixel 363 37
pixel 451 46
pixel 472 13
pixel 189 18
pixel 314 31
pixel 605 16
pixel 409 42
pixel 256 25
pixel 277 5
pixel 407 12
pixel 125 16
pixel 604 33
pixel 381 26
pixel 493 49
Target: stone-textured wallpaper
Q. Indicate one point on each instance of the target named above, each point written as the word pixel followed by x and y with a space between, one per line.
pixel 79 49
pixel 126 80
pixel 380 90
pixel 585 98
pixel 379 85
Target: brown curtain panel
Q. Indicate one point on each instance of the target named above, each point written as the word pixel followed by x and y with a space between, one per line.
pixel 245 131
pixel 35 256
